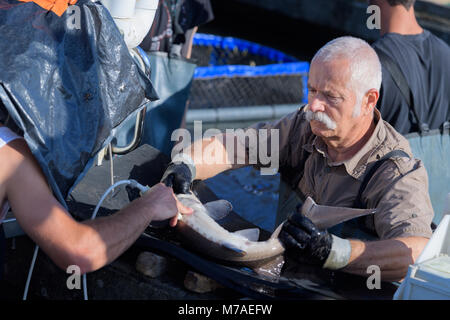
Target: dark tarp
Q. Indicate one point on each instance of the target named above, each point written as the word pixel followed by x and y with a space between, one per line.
pixel 67 82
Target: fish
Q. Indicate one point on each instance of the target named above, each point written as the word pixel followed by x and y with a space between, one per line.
pixel 201 231
pixel 204 234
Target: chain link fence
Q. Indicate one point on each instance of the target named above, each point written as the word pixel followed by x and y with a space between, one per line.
pixel 232 73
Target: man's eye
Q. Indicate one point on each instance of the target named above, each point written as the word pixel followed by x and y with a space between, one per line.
pixel 333 98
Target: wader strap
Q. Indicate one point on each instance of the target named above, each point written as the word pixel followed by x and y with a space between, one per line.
pixel 369 174
pixel 399 79
pixel 356 228
pixel 359 227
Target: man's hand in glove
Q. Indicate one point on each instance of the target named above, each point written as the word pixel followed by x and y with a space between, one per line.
pixel 305 243
pixel 179 174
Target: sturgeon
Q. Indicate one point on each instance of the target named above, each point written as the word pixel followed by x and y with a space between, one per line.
pixel 202 233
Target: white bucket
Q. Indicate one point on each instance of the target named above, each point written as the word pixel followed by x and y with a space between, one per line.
pixel 120 8
pixel 147 4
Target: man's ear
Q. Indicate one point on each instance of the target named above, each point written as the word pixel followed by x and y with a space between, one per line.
pixel 371 99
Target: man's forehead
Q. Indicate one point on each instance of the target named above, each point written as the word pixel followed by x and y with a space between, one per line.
pixel 332 74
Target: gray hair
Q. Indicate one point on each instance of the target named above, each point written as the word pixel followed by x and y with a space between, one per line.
pixel 365 67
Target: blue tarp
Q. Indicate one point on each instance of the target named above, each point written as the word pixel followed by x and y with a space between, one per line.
pixel 201 39
pixel 283 64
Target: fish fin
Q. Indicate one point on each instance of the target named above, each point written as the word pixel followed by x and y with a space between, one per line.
pixel 277 231
pixel 233 248
pixel 325 217
pixel 307 206
pixel 249 234
pixel 218 209
pixel 271 269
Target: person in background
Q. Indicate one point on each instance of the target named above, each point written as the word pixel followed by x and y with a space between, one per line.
pixel 415 67
pixel 176 23
pixel 169 46
pixel 89 244
pixel 24 189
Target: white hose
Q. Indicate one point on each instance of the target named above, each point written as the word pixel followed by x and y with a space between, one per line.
pixel 30 272
pixel 131 182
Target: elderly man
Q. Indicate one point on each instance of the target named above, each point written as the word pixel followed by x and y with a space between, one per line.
pixel 326 151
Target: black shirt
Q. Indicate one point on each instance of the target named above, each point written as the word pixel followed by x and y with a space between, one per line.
pixel 424 59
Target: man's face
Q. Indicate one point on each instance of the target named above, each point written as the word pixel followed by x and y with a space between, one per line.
pixel 329 93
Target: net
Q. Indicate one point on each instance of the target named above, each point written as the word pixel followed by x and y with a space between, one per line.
pixel 234 72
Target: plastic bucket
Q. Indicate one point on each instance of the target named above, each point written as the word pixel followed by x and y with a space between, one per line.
pixel 120 8
pixel 147 4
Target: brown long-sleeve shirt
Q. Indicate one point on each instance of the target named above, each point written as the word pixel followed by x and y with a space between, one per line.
pixel 398 189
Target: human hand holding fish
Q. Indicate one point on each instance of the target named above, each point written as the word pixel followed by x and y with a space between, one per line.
pixel 164 204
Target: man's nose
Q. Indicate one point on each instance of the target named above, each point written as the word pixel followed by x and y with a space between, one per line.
pixel 316 105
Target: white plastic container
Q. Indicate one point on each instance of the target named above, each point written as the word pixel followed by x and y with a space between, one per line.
pixel 429 277
pixel 133 18
pixel 147 4
pixel 120 8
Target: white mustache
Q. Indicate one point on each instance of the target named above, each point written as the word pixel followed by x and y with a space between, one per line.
pixel 321 117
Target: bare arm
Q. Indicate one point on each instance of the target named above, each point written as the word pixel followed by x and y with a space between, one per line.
pixel 91 244
pixel 392 256
pixel 263 145
pixel 211 156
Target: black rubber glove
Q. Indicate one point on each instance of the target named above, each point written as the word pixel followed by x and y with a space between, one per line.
pixel 304 242
pixel 179 177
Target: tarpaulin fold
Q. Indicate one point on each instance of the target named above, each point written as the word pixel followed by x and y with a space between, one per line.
pixel 67 82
